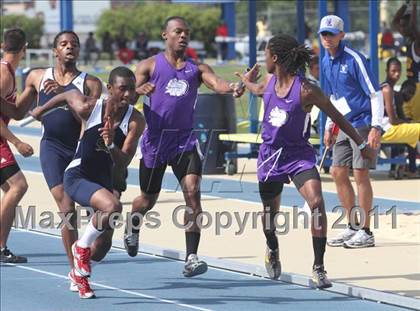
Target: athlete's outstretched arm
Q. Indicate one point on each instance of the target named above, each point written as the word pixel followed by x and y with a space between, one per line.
pixel 29 95
pixel 82 105
pixel 15 111
pixel 397 17
pixel 312 95
pixel 23 148
pixel 9 109
pixel 250 80
pixel 217 84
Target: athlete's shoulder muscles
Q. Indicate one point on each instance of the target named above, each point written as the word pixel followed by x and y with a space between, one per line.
pixel 311 95
pixel 93 86
pixel 144 70
pixel 34 79
pixel 6 81
pixel 264 82
pixel 135 129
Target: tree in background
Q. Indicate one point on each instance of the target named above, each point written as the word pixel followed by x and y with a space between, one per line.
pixel 33 27
pixel 149 17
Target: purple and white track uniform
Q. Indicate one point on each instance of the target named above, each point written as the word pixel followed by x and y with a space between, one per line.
pixel 169 112
pixel 285 150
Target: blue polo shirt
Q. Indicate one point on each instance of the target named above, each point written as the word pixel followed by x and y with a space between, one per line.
pixel 348 75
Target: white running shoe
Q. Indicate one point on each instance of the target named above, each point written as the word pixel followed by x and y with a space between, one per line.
pixel 194 266
pixel 360 240
pixel 339 240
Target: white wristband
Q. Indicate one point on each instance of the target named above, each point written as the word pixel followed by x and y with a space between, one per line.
pixel 112 146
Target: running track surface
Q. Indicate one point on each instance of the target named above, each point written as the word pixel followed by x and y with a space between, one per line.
pixel 148 282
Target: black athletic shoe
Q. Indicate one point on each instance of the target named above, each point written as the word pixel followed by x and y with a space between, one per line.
pixel 319 277
pixel 6 256
pixel 272 263
pixel 131 243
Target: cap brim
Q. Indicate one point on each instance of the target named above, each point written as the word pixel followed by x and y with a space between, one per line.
pixel 332 30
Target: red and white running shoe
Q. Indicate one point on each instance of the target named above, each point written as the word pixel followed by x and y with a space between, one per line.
pixel 81 259
pixel 85 292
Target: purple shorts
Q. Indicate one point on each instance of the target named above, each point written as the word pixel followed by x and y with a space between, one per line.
pixel 160 147
pixel 283 164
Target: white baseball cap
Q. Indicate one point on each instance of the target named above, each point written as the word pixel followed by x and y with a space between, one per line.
pixel 331 23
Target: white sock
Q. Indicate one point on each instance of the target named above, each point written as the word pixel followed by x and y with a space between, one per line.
pixel 89 236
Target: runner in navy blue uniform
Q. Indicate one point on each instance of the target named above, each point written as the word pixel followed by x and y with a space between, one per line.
pixel 112 128
pixel 61 129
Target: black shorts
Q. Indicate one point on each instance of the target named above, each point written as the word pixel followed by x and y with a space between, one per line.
pixel 269 190
pixel 184 164
pixel 7 172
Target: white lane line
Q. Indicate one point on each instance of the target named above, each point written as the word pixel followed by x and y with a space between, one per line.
pixel 114 288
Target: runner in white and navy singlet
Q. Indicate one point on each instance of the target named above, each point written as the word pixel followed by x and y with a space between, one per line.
pixel 92 166
pixel 61 128
pixel 61 131
pixel 102 151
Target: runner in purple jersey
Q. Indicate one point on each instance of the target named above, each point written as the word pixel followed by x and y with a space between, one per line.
pixel 286 152
pixel 169 82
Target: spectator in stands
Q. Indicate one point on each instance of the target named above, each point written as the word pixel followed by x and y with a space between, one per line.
pixel 263 33
pixel 90 47
pixel 125 54
pixel 222 46
pixel 387 41
pixel 408 92
pixel 192 54
pixel 121 40
pixel 141 46
pixel 405 21
pixel 313 75
pixel 397 128
pixel 107 46
pixel 263 28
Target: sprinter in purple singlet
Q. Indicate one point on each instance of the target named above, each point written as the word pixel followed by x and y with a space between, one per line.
pixel 286 153
pixel 169 82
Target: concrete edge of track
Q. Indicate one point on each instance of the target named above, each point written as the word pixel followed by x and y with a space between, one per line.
pixel 259 271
